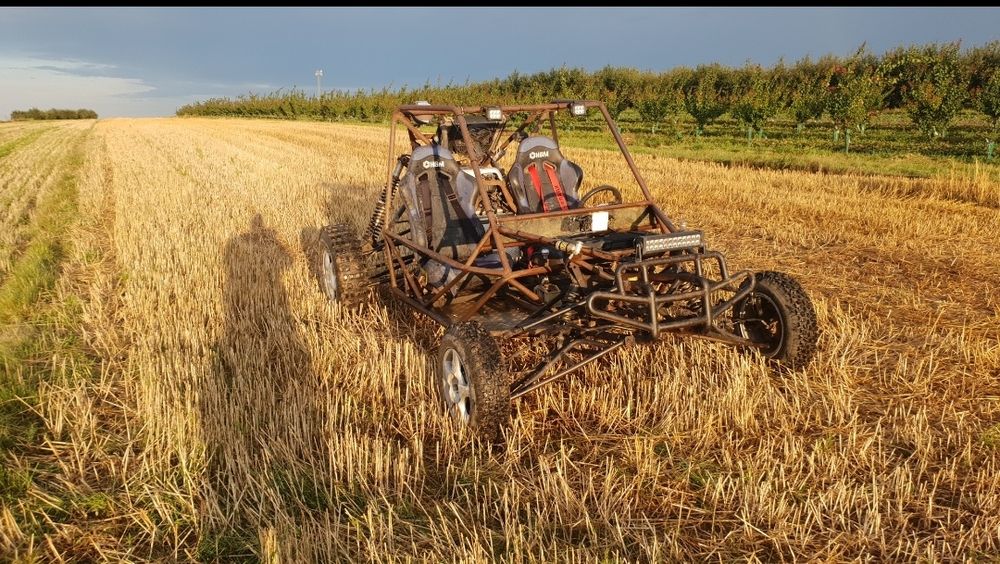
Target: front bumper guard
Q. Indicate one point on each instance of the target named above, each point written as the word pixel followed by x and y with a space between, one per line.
pixel 599 304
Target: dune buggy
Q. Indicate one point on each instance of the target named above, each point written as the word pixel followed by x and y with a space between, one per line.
pixel 496 246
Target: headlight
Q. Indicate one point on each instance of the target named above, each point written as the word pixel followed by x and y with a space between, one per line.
pixel 578 109
pixel 661 243
pixel 494 114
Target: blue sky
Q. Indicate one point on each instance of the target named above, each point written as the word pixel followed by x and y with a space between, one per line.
pixel 149 61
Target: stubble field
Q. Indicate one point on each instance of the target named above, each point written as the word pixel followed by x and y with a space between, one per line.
pixel 225 409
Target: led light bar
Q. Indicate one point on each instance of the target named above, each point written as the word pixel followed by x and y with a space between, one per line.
pixel 661 243
pixel 494 114
pixel 578 109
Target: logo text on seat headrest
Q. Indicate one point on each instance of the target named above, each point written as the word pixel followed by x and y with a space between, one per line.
pixel 433 164
pixel 537 154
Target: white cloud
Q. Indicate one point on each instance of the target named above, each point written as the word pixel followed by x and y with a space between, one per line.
pixel 27 82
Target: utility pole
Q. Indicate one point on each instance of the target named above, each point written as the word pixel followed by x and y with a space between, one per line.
pixel 319 75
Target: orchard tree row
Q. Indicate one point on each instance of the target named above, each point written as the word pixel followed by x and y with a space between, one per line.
pixel 931 83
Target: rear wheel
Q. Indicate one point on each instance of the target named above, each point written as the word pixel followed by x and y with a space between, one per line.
pixel 471 380
pixel 342 272
pixel 779 317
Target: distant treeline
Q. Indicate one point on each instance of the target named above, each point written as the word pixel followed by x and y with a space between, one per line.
pixel 35 113
pixel 932 83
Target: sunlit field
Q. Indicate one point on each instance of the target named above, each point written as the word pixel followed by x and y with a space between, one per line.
pixel 221 407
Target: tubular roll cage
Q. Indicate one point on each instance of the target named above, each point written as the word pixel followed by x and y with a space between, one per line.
pixel 505 231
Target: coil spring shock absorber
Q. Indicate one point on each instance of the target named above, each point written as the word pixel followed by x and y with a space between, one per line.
pixel 388 193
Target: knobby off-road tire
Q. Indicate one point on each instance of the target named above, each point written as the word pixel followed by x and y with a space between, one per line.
pixel 779 314
pixel 342 272
pixel 471 380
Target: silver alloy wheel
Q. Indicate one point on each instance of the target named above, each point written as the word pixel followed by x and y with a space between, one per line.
pixel 330 283
pixel 458 392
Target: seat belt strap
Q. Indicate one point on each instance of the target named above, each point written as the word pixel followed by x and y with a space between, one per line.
pixel 537 181
pixel 550 170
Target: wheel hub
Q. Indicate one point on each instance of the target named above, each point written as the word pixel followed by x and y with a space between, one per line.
pixel 759 321
pixel 330 276
pixel 458 393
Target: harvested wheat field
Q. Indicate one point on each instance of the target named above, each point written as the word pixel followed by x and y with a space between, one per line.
pixel 228 410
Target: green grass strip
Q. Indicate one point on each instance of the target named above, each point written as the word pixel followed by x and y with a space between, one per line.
pixel 27 321
pixel 22 141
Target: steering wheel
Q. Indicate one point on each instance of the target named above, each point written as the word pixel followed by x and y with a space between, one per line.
pixel 614 194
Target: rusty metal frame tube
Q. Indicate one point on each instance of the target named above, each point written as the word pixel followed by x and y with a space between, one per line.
pixel 574 368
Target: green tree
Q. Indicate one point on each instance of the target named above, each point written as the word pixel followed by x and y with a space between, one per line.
pixel 757 99
pixel 933 86
pixel 658 101
pixel 617 87
pixel 655 110
pixel 707 93
pixel 808 103
pixel 988 100
pixel 979 64
pixel 855 96
pixel 808 92
pixel 566 83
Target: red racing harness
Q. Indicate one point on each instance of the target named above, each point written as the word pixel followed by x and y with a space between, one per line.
pixel 553 178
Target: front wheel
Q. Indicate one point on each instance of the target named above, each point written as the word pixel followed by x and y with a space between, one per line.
pixel 779 317
pixel 471 380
